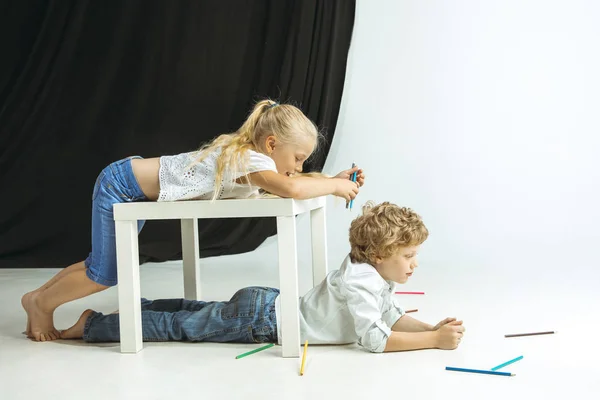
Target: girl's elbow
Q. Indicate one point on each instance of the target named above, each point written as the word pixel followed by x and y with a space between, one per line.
pixel 292 190
pixel 286 189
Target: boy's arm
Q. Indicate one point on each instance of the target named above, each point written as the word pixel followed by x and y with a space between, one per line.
pixel 409 324
pixel 401 341
pixel 411 334
pixel 447 337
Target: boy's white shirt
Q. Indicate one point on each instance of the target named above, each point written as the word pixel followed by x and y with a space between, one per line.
pixel 353 304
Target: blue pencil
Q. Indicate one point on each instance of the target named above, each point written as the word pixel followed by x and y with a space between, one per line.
pixel 507 363
pixel 479 371
pixel 353 179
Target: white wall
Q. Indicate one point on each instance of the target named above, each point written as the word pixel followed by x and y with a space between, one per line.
pixel 483 117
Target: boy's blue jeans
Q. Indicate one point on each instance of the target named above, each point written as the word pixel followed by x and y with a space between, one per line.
pixel 249 317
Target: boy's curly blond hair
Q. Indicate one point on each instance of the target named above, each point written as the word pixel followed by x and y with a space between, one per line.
pixel 382 230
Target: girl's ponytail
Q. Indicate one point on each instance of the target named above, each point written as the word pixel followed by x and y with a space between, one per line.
pixel 233 146
pixel 268 118
pixel 248 129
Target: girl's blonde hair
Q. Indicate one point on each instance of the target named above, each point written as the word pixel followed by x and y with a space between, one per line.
pixel 382 230
pixel 268 118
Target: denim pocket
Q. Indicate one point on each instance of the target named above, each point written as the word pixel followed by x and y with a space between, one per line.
pixel 97 185
pixel 117 166
pixel 241 305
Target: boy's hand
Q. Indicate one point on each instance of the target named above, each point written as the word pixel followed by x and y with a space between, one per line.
pixel 449 335
pixel 346 174
pixel 442 323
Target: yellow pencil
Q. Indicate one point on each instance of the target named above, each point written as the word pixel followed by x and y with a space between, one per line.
pixel 303 358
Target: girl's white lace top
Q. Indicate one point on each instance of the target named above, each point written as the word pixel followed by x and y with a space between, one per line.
pixel 179 181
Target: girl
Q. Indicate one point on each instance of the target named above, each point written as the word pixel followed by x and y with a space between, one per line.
pixel 267 152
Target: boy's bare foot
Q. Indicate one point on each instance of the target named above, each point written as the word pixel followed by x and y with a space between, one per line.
pixel 40 323
pixel 76 331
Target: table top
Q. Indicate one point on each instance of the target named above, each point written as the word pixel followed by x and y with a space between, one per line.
pixel 231 208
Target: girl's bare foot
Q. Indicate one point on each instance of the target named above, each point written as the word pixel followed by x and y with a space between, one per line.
pixel 41 322
pixel 24 301
pixel 76 331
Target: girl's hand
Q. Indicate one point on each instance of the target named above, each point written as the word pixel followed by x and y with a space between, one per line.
pixel 442 323
pixel 345 188
pixel 346 174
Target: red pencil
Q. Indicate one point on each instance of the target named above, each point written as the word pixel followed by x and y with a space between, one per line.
pixel 409 311
pixel 409 292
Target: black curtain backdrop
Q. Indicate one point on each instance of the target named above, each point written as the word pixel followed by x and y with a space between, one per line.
pixel 84 83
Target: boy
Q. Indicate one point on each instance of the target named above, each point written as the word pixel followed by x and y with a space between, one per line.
pixel 353 304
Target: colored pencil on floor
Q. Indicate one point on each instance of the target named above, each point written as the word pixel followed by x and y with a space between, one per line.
pixel 255 351
pixel 409 292
pixel 497 367
pixel 303 358
pixel 409 311
pixel 353 179
pixel 530 334
pixel 479 371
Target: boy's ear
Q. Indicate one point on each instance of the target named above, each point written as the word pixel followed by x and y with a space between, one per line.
pixel 377 260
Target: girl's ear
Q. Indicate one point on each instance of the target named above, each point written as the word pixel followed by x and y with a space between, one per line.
pixel 270 143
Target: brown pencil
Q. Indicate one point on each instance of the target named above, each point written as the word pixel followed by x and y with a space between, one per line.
pixel 530 334
pixel 415 310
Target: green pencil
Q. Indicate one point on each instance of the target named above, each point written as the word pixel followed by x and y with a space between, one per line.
pixel 255 350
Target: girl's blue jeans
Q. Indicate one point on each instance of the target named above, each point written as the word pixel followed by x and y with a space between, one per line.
pixel 115 184
pixel 249 317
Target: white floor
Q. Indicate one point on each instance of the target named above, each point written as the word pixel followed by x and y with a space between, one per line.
pixel 491 304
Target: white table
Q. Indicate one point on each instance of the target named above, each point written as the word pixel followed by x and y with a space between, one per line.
pixel 126 216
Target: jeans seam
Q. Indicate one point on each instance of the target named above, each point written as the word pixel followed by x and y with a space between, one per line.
pixel 98 184
pixel 222 331
pixel 86 327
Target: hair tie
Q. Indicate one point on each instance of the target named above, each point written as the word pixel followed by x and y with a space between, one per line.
pixel 273 105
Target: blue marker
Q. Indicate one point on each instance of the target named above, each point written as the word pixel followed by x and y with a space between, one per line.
pixel 353 179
